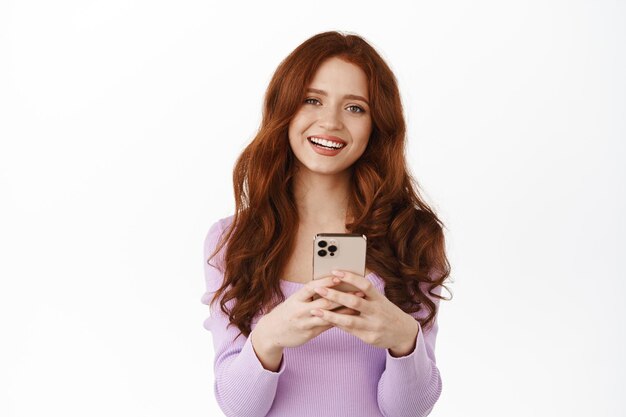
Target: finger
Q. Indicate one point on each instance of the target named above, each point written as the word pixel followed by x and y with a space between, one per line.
pixel 315 321
pixel 324 303
pixel 328 304
pixel 343 321
pixel 346 310
pixel 360 282
pixel 344 299
pixel 307 290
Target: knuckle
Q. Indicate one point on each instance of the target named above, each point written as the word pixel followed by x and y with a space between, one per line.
pixel 354 302
pixel 372 337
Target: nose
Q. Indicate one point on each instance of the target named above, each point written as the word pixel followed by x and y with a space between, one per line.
pixel 330 119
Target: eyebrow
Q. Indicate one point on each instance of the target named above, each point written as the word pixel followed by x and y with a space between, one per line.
pixel 350 96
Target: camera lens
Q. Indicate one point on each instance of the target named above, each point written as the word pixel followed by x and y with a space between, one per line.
pixel 332 248
pixel 321 252
pixel 321 243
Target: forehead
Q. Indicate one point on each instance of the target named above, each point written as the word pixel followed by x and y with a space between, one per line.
pixel 337 76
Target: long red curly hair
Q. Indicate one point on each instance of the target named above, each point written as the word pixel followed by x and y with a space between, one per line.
pixel 405 240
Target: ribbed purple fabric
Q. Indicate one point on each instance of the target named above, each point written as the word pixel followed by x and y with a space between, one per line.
pixel 334 374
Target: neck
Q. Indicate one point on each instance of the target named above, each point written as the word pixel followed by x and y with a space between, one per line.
pixel 322 199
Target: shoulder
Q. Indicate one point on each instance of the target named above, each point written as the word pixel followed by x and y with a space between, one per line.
pixel 213 235
pixel 218 227
pixel 226 221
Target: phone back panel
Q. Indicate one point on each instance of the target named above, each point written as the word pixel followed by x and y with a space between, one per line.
pixel 348 255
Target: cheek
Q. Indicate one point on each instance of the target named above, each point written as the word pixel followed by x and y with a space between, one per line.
pixel 294 128
pixel 363 135
pixel 297 125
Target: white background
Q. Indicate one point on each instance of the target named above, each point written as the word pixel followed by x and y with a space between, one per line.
pixel 120 122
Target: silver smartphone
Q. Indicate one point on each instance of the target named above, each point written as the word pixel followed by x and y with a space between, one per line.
pixel 340 251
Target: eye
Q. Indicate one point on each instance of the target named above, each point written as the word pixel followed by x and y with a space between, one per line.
pixel 360 109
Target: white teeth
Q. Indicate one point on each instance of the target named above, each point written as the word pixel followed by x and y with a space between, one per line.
pixel 326 142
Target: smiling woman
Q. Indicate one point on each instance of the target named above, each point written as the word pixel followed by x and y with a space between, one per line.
pixel 329 157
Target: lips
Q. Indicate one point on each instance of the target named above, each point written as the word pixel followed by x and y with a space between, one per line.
pixel 330 138
pixel 325 151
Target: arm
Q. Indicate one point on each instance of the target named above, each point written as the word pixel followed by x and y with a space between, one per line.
pixel 270 356
pixel 411 385
pixel 243 386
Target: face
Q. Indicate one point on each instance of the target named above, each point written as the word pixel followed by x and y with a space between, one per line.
pixel 336 107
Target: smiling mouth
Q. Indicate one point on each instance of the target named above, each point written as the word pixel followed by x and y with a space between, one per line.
pixel 325 144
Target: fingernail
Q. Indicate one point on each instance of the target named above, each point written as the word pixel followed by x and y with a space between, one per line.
pixel 338 273
pixel 336 280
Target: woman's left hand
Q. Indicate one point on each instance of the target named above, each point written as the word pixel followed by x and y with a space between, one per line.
pixel 381 323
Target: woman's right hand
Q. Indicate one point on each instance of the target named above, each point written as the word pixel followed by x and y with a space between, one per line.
pixel 291 323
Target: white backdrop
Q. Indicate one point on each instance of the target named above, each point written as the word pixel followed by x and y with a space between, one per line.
pixel 120 122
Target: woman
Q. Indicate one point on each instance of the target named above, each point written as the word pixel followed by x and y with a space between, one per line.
pixel 329 157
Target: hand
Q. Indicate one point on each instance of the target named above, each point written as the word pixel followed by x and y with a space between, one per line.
pixel 381 323
pixel 291 324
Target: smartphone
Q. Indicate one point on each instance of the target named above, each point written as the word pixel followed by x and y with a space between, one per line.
pixel 339 251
